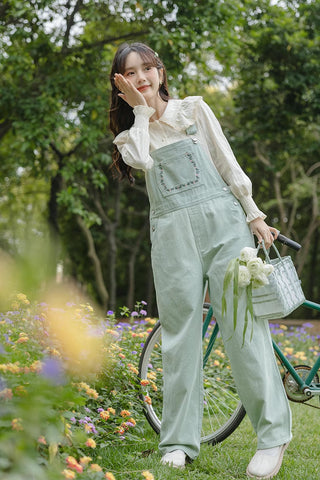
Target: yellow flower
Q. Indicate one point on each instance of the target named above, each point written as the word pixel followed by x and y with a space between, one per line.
pixel 69 474
pixel 23 298
pixel 95 467
pixel 16 424
pixel 152 321
pixel 85 460
pixel 91 392
pixel 288 350
pixel 110 476
pixel 91 443
pixel 283 327
pixel 134 370
pixel 147 475
pixel 104 415
pixel 132 420
pixel 111 410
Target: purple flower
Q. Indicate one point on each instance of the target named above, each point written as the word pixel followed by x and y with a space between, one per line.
pixel 52 369
pixel 73 420
pixel 307 325
pixel 109 312
pixel 100 410
pixel 143 302
pixel 93 428
pixel 143 312
pixel 134 314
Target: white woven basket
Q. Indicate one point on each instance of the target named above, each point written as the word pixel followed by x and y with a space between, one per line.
pixel 283 294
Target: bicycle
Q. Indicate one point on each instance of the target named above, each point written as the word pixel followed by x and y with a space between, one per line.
pixel 223 410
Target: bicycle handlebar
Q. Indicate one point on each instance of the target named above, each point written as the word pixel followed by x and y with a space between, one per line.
pixel 287 241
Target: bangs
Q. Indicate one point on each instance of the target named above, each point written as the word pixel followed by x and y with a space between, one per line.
pixel 147 55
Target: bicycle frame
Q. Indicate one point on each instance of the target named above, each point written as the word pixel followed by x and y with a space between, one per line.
pixel 305 385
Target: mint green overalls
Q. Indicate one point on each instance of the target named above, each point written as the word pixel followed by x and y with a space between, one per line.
pixel 197 226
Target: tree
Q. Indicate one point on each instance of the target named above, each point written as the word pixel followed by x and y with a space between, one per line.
pixel 277 101
pixel 54 104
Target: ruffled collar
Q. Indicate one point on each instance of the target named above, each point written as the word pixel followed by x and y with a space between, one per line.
pixel 180 114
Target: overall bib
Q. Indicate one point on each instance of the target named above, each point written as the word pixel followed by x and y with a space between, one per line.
pixel 197 226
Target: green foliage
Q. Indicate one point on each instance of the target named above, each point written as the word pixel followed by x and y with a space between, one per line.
pixel 54 101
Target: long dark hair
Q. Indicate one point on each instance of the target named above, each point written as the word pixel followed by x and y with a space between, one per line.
pixel 121 114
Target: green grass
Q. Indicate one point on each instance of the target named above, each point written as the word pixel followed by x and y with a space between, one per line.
pixel 227 460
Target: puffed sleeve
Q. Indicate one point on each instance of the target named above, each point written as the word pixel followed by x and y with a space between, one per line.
pixel 133 144
pixel 226 163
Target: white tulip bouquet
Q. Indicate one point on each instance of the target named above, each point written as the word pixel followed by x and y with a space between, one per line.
pixel 247 271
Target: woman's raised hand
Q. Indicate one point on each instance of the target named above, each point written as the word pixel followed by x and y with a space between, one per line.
pixel 129 93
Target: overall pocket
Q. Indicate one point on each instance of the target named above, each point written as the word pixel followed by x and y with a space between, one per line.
pixel 178 169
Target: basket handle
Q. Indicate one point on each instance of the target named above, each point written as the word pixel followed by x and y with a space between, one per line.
pixel 266 252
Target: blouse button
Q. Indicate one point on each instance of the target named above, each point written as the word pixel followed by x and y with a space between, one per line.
pixel 225 188
pixel 235 203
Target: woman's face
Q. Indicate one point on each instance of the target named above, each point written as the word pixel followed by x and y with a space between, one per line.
pixel 143 75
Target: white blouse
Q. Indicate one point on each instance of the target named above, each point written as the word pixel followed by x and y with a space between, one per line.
pixel 145 136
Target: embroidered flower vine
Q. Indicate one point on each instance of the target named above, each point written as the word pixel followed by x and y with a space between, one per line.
pixel 247 271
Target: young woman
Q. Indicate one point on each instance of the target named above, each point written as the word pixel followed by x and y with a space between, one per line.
pixel 202 214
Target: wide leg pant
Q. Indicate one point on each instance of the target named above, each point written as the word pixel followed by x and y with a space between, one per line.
pixel 190 246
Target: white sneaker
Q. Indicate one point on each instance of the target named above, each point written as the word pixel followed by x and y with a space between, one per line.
pixel 175 459
pixel 266 463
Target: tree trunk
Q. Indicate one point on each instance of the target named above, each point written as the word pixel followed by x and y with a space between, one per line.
pixel 92 254
pixel 132 263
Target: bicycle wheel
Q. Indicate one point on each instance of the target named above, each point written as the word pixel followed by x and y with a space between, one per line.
pixel 223 410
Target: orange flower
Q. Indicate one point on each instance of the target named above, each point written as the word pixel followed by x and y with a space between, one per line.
pixel 42 440
pixel 91 443
pixel 85 460
pixel 125 413
pixel 95 467
pixel 144 382
pixel 22 339
pixel 111 410
pixel 147 399
pixel 73 464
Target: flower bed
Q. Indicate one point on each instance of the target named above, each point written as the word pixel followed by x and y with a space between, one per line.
pixel 69 386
